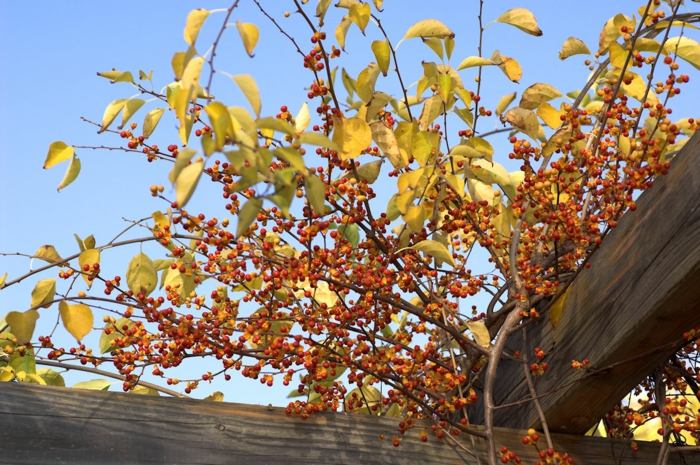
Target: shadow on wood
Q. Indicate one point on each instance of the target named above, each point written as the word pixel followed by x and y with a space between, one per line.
pixel 48 425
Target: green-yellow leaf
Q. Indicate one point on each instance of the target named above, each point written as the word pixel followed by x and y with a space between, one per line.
pixel 141 274
pixel 250 90
pixel 22 324
pixel 317 139
pixel 369 172
pixel 521 18
pixel 7 373
pixel 144 391
pixel 315 193
pixel 71 173
pixel 573 46
pixel 48 253
pixel 537 94
pixel 51 377
pixel 58 152
pixel 249 35
pixel 428 28
pixel 43 293
pixel 130 107
pixel 247 215
pixel 194 22
pixel 352 136
pixel 382 53
pixel 186 182
pixel 436 250
pixel 117 76
pixel 366 81
pixel 107 341
pixel 94 384
pixel 151 120
pixel 76 318
pixel 111 112
pixel 275 124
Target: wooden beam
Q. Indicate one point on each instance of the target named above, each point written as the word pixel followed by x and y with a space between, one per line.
pixel 47 425
pixel 625 312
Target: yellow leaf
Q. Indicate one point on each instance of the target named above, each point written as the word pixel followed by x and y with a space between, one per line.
pixel 480 191
pixel 250 90
pixel 686 48
pixel 359 14
pixel 3 278
pixel 58 152
pixel 216 396
pixel 352 136
pixel 480 332
pixel 432 108
pixel 221 123
pixel 573 46
pixel 341 31
pixel 525 120
pixel 141 274
pixel 111 112
pixel 180 60
pixel 249 35
pixel 557 309
pixel 6 374
pixel 550 115
pixel 637 88
pixel 536 94
pixel 318 139
pixel 144 391
pixel 415 217
pixel 88 257
pixel 366 81
pixel 194 22
pixel 449 46
pixel 130 107
pixel 428 28
pixel 50 377
pixel 76 318
pixel 190 77
pixel 323 295
pixel 435 45
pixel 473 61
pixel 247 215
pixel 521 18
pixel 71 173
pixel 382 52
pixel 22 324
pixel 388 144
pixel 435 249
pixel 321 9
pixel 510 67
pixel 186 182
pixel 43 293
pixel 504 102
pixel 302 119
pixel 150 121
pixel 618 55
pixel 611 30
pixel 48 253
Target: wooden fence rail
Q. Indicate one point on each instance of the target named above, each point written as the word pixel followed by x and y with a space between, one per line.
pixel 48 425
pixel 627 312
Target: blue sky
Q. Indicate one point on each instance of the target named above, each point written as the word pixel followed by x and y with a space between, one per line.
pixel 52 51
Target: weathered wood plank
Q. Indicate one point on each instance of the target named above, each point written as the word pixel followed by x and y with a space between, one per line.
pixel 42 425
pixel 641 293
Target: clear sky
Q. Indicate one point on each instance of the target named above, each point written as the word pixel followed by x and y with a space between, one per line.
pixel 52 50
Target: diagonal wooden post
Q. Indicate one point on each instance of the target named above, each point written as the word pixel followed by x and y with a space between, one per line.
pixel 47 425
pixel 626 314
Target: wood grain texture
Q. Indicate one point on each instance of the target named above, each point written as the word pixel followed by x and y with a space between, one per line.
pixel 640 294
pixel 48 425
